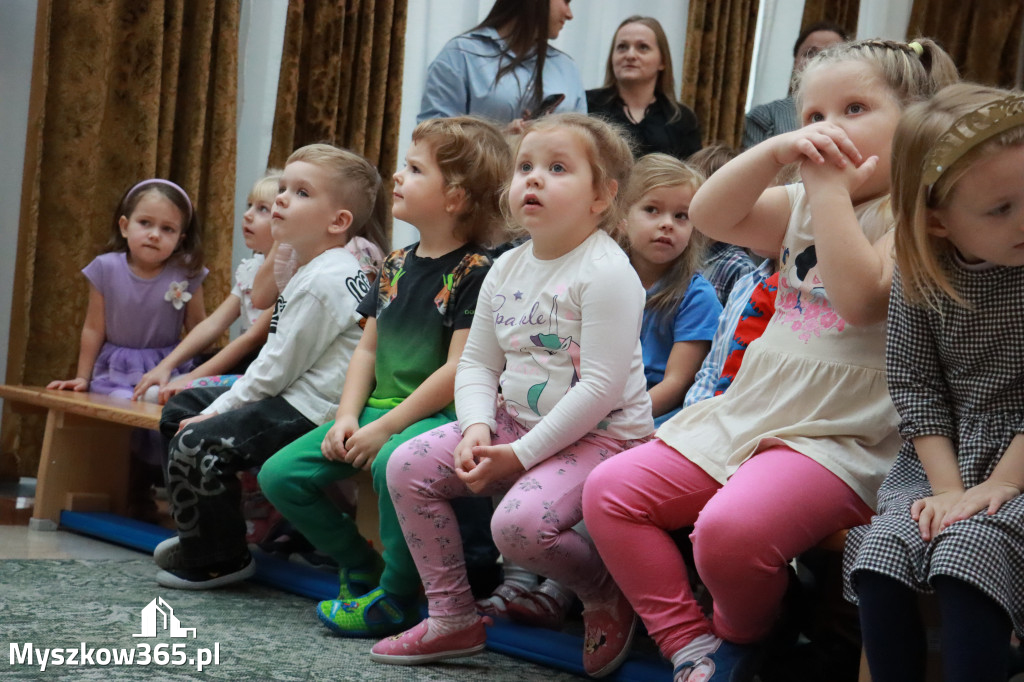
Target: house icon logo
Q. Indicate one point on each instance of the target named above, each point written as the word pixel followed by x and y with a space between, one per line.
pixel 158 614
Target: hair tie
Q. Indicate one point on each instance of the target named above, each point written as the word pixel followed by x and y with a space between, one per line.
pixel 968 131
pixel 161 181
pixel 917 47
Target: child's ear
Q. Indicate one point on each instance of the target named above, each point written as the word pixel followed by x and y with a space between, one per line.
pixel 933 222
pixel 122 222
pixel 342 221
pixel 454 200
pixel 604 199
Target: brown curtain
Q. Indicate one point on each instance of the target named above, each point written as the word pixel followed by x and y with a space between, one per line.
pixel 842 12
pixel 716 66
pixel 341 79
pixel 982 36
pixel 121 90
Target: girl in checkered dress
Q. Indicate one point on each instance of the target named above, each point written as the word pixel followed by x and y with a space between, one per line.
pixel 951 513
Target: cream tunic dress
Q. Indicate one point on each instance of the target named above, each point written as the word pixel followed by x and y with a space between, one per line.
pixel 813 381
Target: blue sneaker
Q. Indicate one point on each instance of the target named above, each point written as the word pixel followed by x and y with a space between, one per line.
pixel 728 663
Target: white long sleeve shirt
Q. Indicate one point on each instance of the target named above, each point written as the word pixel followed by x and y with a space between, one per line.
pixel 562 339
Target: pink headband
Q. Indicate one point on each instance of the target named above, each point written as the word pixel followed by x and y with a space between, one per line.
pixel 161 181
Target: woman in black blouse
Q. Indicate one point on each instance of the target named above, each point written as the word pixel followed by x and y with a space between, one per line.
pixel 639 92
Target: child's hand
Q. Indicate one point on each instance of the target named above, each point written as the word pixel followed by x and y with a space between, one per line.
pixel 194 420
pixel 154 377
pixel 333 445
pixel 990 495
pixel 493 463
pixel 818 143
pixel 79 384
pixel 173 388
pixel 362 446
pixel 476 434
pixel 929 512
pixel 816 176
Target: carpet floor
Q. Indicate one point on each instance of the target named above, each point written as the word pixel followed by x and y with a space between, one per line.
pixel 100 610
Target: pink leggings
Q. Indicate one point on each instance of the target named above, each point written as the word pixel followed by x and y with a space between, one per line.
pixel 532 525
pixel 776 506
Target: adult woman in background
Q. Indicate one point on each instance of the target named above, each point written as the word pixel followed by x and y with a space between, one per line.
pixel 504 68
pixel 639 91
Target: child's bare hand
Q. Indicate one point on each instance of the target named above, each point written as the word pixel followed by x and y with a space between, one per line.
pixel 493 463
pixel 929 512
pixel 362 446
pixel 173 388
pixel 989 495
pixel 476 434
pixel 333 445
pixel 79 384
pixel 154 377
pixel 195 420
pixel 849 177
pixel 818 143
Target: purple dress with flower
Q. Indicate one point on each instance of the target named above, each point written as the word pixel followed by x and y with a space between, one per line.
pixel 143 319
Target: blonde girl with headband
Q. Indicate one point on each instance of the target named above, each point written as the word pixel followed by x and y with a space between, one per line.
pixel 557 330
pixel 796 448
pixel 142 290
pixel 951 513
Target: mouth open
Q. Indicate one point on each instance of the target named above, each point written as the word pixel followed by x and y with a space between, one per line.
pixel 531 200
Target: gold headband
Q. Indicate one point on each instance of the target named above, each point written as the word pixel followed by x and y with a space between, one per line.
pixel 970 130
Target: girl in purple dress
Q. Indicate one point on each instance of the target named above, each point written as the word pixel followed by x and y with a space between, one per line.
pixel 143 291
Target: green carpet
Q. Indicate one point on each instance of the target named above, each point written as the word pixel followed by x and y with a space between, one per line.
pixel 259 633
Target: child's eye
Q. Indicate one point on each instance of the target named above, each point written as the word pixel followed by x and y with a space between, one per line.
pixel 1002 209
pixel 263 208
pixel 855 109
pixel 653 210
pixel 557 168
pixel 815 118
pixel 414 169
pixel 302 193
pixel 682 217
pixel 525 167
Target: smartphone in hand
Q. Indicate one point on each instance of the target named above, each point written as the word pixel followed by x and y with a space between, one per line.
pixel 547 105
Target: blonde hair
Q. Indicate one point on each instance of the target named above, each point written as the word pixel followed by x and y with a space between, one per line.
pixel 910 76
pixel 357 185
pixel 608 153
pixel 655 171
pixel 474 158
pixel 266 187
pixel 922 258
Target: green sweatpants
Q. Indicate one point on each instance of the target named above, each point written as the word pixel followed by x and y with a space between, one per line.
pixel 294 480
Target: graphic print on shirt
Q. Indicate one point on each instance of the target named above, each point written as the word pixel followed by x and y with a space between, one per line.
pixel 550 344
pixel 451 281
pixel 393 271
pixel 803 303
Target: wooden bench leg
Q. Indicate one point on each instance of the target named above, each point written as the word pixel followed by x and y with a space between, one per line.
pixel 367 514
pixel 80 455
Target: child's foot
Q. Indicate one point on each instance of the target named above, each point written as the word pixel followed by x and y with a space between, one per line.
pixel 416 646
pixel 375 614
pixel 167 554
pixel 496 605
pixel 727 663
pixel 208 577
pixel 357 581
pixel 537 609
pixel 608 633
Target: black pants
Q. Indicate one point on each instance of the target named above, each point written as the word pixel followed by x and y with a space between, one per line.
pixel 204 460
pixel 975 631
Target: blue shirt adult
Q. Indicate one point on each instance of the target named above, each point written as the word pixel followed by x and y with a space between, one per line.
pixel 461 80
pixel 696 319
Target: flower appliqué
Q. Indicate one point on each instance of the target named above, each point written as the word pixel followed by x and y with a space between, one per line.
pixel 178 294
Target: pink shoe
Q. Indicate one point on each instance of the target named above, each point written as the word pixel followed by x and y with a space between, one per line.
pixel 408 648
pixel 536 609
pixel 608 633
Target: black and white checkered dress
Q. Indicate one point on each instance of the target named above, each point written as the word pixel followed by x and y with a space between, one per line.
pixel 958 374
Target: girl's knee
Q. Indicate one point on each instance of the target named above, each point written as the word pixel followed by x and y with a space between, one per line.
pixel 602 490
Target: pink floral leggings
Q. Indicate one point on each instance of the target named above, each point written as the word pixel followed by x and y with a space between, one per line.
pixel 532 526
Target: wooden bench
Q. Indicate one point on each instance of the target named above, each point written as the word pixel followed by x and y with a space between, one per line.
pixel 83 465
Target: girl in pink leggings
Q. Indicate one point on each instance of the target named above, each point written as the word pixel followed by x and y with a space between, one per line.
pixel 797 447
pixel 557 328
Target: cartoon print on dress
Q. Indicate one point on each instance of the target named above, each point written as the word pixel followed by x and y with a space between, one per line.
pixel 802 302
pixel 551 343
